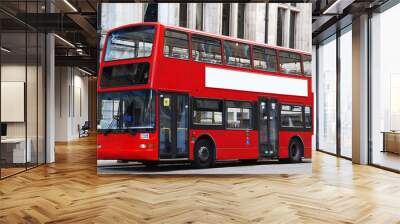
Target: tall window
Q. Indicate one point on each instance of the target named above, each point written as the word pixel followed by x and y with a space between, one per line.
pixel 281 27
pixel 327 95
pixel 183 14
pixel 226 16
pixel 240 28
pixel 199 16
pixel 346 93
pixel 266 22
pixel 292 31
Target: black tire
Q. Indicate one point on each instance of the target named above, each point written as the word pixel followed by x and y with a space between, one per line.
pixel 295 151
pixel 203 154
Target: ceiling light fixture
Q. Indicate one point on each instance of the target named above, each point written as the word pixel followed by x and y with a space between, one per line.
pixel 70 5
pixel 84 71
pixel 64 40
pixel 5 50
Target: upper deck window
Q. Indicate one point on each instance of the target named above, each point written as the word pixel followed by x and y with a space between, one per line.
pixel 265 59
pixel 237 54
pixel 132 42
pixel 125 75
pixel 176 44
pixel 307 65
pixel 290 62
pixel 206 49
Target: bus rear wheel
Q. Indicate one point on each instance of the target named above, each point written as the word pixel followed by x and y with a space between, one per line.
pixel 203 154
pixel 295 151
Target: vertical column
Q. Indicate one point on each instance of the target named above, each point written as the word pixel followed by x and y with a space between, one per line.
pixel 213 17
pixel 234 19
pixel 360 90
pixel 254 22
pixel 50 98
pixel 191 15
pixel 168 13
pixel 272 23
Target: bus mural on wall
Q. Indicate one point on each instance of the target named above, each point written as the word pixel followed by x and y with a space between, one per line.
pixel 167 93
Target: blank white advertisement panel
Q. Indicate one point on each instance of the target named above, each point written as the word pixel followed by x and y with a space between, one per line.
pixel 246 81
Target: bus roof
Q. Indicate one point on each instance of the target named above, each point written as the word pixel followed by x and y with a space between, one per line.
pixel 211 35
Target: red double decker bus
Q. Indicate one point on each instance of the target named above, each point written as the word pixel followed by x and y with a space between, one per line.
pixel 167 93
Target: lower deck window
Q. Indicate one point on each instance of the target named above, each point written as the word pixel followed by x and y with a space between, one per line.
pixel 239 115
pixel 292 116
pixel 207 112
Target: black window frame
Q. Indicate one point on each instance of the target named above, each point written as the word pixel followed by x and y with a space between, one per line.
pixel 226 18
pixel 188 43
pixel 201 36
pixel 205 126
pixel 253 113
pixel 183 14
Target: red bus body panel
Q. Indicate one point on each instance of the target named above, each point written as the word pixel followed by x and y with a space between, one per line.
pixel 188 76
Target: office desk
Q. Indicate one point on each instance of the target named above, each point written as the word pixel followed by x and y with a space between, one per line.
pixel 13 150
pixel 391 141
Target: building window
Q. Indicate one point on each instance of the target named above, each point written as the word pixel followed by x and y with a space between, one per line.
pixel 240 28
pixel 226 15
pixel 237 54
pixel 292 29
pixel 207 112
pixel 290 63
pixel 281 27
pixel 239 115
pixel 183 14
pixel 265 59
pixel 291 116
pixel 176 44
pixel 199 16
pixel 206 49
pixel 266 21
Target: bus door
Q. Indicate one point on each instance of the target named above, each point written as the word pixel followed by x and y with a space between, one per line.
pixel 268 127
pixel 173 126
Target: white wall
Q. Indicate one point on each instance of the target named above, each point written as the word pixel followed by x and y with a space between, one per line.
pixel 71 102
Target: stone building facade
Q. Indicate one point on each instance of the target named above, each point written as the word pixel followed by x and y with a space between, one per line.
pixel 283 24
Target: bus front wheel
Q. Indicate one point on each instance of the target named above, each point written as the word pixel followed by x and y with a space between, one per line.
pixel 203 154
pixel 295 151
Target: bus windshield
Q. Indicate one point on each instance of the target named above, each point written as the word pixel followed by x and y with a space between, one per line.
pixel 126 110
pixel 132 42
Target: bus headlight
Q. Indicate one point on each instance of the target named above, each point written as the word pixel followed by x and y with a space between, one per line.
pixel 143 146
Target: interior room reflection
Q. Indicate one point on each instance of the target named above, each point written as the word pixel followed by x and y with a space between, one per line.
pixel 386 89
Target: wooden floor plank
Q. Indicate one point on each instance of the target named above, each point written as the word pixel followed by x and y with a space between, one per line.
pixel 70 191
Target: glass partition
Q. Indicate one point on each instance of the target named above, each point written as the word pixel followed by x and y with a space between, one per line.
pixel 22 77
pixel 385 89
pixel 346 93
pixel 327 96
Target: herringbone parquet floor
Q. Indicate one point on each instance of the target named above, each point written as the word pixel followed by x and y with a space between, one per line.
pixel 70 191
